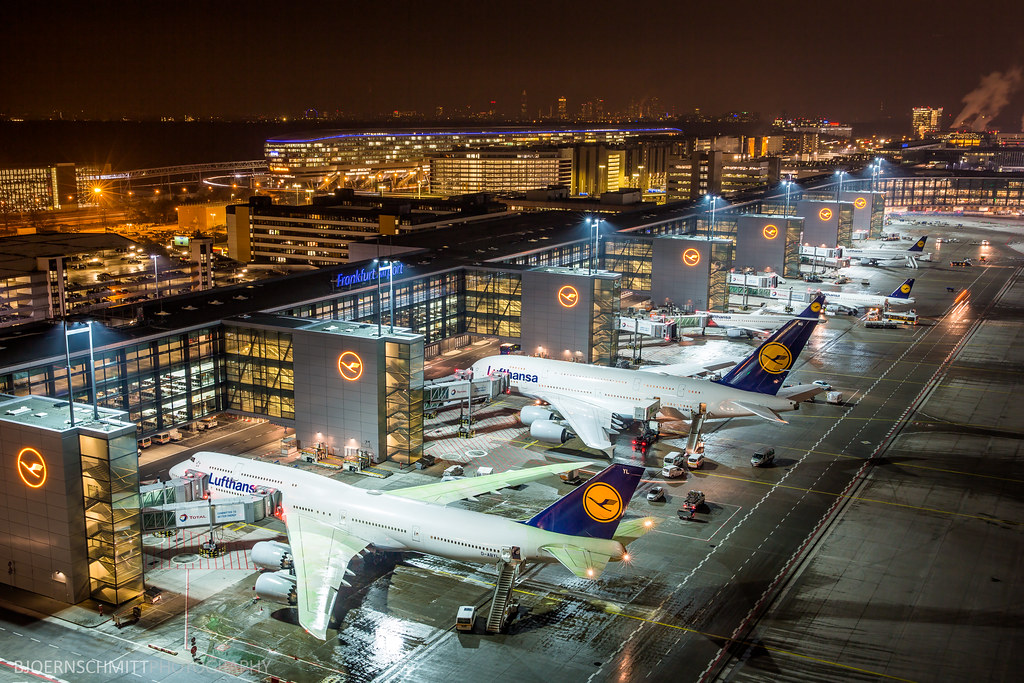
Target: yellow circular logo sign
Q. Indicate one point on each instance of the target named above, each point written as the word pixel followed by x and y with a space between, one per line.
pixel 825 214
pixel 860 202
pixel 774 358
pixel 920 243
pixel 602 502
pixel 568 296
pixel 905 288
pixel 31 467
pixel 350 365
pixel 691 257
pixel 815 307
pixel 770 232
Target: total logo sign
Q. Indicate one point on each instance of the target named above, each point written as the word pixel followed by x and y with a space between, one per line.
pixel 770 232
pixel 825 214
pixel 31 467
pixel 691 257
pixel 350 366
pixel 568 296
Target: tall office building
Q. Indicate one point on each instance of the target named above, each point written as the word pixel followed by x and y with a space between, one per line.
pixel 563 109
pixel 926 120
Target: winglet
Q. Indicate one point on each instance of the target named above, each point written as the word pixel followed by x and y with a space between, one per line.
pixel 764 370
pixel 594 508
pixel 903 291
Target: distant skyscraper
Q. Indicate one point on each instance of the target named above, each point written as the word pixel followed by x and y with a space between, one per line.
pixel 926 120
pixel 523 113
pixel 563 109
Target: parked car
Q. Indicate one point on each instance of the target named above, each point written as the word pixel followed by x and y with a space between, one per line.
pixel 656 494
pixel 825 386
pixel 695 461
pixel 763 457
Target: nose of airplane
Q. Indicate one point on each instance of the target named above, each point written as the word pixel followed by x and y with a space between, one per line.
pixel 178 470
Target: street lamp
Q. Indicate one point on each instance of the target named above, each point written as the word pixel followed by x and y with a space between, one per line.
pixel 876 170
pixel 594 237
pixel 391 292
pixel 789 186
pixel 713 200
pixel 156 276
pixel 839 187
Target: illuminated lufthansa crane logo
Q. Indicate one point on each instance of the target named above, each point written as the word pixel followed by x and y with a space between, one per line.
pixel 860 202
pixel 770 232
pixel 691 257
pixel 905 288
pixel 568 296
pixel 920 243
pixel 31 468
pixel 350 365
pixel 602 502
pixel 816 306
pixel 825 214
pixel 774 358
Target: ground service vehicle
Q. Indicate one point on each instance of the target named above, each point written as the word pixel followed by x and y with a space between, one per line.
pixel 673 458
pixel 695 461
pixel 763 457
pixel 694 499
pixel 465 618
pixel 672 472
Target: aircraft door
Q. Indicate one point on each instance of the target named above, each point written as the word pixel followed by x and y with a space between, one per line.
pixel 416 534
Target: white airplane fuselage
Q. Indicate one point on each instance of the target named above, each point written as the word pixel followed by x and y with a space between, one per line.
pixel 864 300
pixel 618 390
pixel 389 523
pixel 767 321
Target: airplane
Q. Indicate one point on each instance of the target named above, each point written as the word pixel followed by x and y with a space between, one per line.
pixel 872 257
pixel 329 523
pixel 760 322
pixel 593 401
pixel 857 303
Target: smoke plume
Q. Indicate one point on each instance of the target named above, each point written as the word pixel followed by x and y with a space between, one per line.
pixel 986 101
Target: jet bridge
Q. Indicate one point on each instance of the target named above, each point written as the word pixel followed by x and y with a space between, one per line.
pixel 457 389
pixel 185 502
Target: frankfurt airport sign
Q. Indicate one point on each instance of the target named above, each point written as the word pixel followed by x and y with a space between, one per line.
pixel 365 275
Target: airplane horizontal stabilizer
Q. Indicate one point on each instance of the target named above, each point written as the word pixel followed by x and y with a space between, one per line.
pixel 759 410
pixel 632 529
pixel 800 392
pixel 580 561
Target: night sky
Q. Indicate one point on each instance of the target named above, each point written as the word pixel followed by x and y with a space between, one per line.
pixel 853 61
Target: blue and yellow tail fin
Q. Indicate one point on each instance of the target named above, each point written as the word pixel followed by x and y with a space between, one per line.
pixel 595 507
pixel 764 370
pixel 813 309
pixel 918 245
pixel 903 291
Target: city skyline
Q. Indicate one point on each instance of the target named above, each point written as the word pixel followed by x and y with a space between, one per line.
pixel 121 59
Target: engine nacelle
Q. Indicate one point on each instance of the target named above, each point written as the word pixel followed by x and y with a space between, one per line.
pixel 549 431
pixel 737 333
pixel 531 414
pixel 272 555
pixel 277 587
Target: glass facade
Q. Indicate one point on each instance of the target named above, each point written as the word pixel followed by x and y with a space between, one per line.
pixel 952 192
pixel 110 484
pixel 631 258
pixel 403 397
pixel 718 278
pixel 260 376
pixel 494 303
pixel 791 258
pixel 604 329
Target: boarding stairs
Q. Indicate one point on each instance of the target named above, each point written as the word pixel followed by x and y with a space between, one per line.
pixel 694 442
pixel 502 603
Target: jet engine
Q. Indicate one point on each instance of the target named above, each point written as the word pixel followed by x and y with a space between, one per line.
pixel 549 431
pixel 531 414
pixel 277 587
pixel 272 555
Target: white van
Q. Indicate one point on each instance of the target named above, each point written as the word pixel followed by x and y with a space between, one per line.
pixel 466 617
pixel 673 458
pixel 162 437
pixel 672 472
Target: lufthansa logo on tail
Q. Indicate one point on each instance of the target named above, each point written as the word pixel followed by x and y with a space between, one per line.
pixel 774 358
pixel 920 243
pixel 905 288
pixel 602 502
pixel 816 307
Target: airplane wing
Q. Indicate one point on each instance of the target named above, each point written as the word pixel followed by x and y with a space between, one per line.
pixel 800 392
pixel 759 410
pixel 321 554
pixel 586 419
pixel 685 369
pixel 446 492
pixel 581 562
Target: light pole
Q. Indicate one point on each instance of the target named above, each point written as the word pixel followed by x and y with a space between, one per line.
pixel 156 276
pixel 92 371
pixel 713 200
pixel 594 237
pixel 789 186
pixel 391 292
pixel 839 187
pixel 876 170
pixel 376 276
